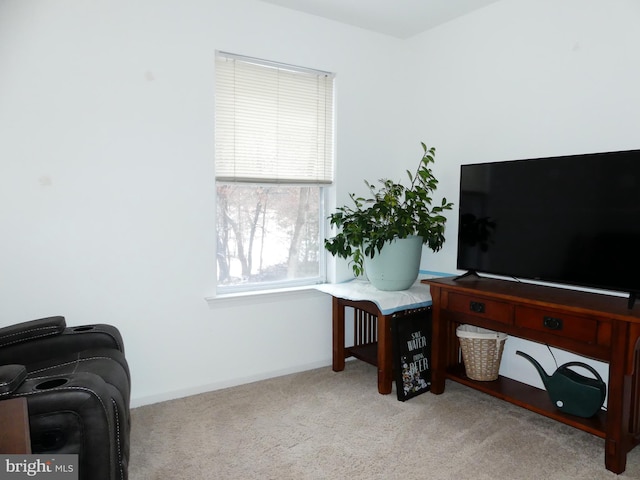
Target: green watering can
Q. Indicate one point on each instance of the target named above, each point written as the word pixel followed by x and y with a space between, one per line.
pixel 571 392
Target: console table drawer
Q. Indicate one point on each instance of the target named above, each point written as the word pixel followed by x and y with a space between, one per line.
pixel 479 307
pixel 582 329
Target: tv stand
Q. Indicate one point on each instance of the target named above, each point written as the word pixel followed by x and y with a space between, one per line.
pixel 592 325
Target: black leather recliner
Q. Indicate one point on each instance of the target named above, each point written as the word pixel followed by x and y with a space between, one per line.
pixel 77 384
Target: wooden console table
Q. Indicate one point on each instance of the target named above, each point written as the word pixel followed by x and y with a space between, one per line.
pixel 14 425
pixel 373 312
pixel 592 325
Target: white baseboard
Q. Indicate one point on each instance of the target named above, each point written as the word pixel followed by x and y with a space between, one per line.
pixel 165 396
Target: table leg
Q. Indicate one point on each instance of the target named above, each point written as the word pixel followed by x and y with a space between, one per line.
pixel 338 335
pixel 439 345
pixel 385 357
pixel 623 403
pixel 14 425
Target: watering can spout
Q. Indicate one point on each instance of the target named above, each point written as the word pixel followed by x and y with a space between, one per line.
pixel 543 375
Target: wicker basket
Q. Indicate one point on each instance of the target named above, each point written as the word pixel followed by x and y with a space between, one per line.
pixel 481 351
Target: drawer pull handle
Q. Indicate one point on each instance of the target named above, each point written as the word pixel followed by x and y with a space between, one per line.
pixel 552 323
pixel 477 307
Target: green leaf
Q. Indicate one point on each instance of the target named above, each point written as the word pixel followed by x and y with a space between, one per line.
pixel 393 210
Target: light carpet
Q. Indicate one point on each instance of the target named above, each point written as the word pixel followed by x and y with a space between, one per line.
pixel 326 425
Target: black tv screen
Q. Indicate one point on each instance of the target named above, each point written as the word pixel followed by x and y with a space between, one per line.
pixel 571 220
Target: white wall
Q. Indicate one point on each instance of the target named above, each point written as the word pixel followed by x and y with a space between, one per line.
pixel 106 153
pixel 526 79
pixel 106 176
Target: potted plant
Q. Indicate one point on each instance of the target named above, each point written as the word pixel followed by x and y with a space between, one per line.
pixel 393 212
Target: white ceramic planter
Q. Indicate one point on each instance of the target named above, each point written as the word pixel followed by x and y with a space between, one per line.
pixel 396 266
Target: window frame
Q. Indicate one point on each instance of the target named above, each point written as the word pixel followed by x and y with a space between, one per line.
pixel 323 198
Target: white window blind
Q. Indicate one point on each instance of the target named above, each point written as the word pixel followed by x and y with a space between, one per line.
pixel 274 122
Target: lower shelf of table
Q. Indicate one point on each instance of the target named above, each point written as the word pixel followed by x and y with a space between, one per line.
pixel 531 398
pixel 367 352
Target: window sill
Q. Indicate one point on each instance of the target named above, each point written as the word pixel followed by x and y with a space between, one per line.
pixel 264 296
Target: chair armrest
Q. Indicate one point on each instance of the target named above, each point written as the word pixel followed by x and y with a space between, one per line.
pixel 11 377
pixel 99 335
pixel 70 340
pixel 32 330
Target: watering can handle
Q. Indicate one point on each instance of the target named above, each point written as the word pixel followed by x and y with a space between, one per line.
pixel 584 365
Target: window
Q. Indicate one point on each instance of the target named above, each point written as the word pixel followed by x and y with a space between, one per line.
pixel 274 160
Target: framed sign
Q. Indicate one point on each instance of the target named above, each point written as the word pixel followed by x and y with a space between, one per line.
pixel 412 353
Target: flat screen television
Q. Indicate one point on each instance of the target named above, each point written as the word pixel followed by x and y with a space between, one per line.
pixel 571 220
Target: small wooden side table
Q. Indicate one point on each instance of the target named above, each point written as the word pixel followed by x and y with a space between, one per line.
pixel 14 425
pixel 373 312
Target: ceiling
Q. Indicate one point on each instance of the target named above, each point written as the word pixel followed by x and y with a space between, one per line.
pixel 399 18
